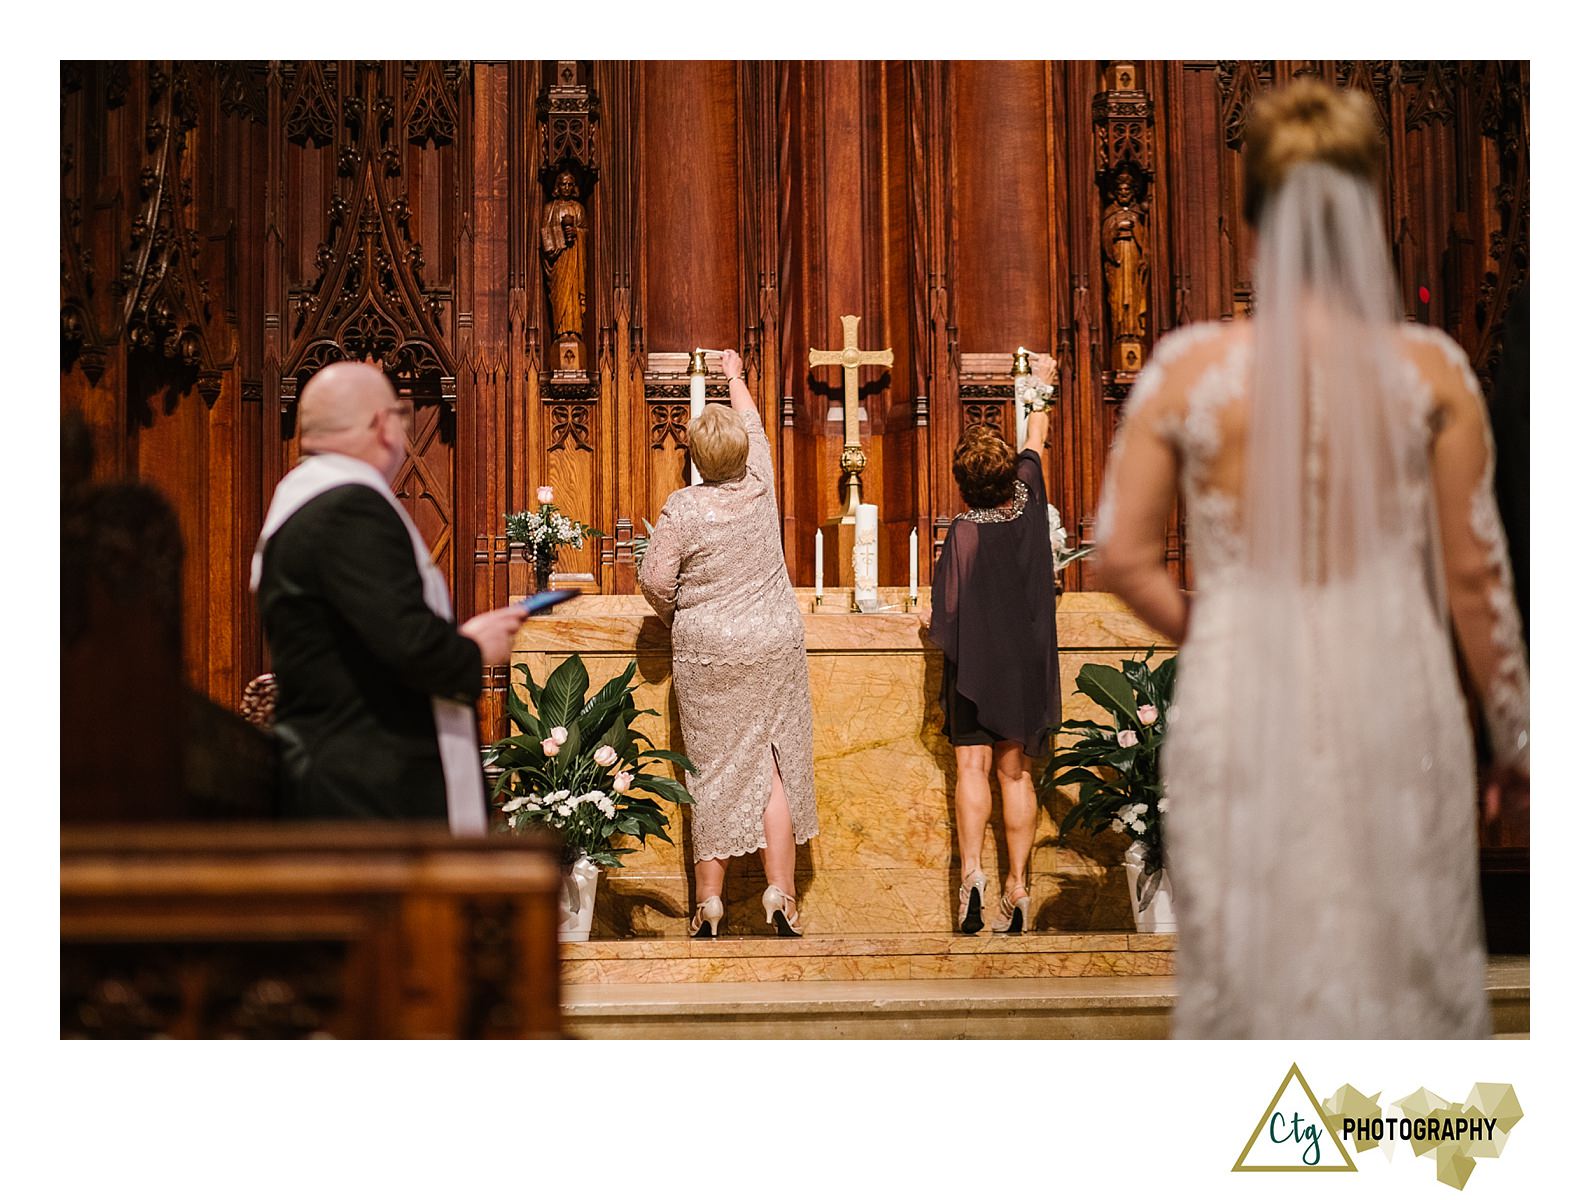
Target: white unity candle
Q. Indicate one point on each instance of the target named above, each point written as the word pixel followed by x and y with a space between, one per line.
pixel 698 405
pixel 913 565
pixel 819 564
pixel 865 559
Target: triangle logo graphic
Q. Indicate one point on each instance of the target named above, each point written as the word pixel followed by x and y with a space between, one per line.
pixel 1293 1134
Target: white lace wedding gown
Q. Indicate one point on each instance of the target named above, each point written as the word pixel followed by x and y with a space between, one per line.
pixel 1320 810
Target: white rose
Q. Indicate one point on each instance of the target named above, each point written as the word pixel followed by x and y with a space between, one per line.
pixel 559 734
pixel 549 747
pixel 605 756
pixel 543 494
pixel 622 780
pixel 1148 714
pixel 1127 737
pixel 1139 827
pixel 1138 809
pixel 516 802
pixel 1117 826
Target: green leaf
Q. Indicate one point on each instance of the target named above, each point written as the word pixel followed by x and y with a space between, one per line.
pixel 570 749
pixel 564 694
pixel 671 756
pixel 517 712
pixel 612 697
pixel 1077 775
pixel 1108 688
pixel 531 687
pixel 661 785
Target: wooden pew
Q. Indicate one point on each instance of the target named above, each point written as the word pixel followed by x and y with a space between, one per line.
pixel 311 930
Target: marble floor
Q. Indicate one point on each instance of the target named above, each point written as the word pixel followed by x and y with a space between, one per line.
pixel 1114 1006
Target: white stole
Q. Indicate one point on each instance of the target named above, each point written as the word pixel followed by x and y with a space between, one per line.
pixel 455 722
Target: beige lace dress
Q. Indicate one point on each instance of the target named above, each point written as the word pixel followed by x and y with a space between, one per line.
pixel 714 571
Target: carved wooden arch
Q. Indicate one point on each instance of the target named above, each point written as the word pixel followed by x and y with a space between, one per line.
pixel 369 301
pixel 168 310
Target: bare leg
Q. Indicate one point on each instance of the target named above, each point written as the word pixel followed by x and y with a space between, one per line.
pixel 1020 804
pixel 709 877
pixel 778 857
pixel 974 804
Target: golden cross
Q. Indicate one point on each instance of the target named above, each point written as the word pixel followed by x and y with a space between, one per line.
pixel 852 358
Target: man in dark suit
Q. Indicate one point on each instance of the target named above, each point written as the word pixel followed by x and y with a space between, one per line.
pixel 376 684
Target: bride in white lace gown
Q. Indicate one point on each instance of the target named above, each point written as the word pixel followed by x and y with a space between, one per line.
pixel 1336 471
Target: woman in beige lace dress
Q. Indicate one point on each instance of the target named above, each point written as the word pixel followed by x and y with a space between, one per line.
pixel 714 571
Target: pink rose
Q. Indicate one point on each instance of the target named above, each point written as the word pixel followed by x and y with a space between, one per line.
pixel 559 734
pixel 605 756
pixel 1148 714
pixel 622 780
pixel 544 494
pixel 549 747
pixel 1127 737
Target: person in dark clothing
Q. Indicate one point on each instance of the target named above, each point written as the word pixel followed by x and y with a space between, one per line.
pixel 375 712
pixel 993 616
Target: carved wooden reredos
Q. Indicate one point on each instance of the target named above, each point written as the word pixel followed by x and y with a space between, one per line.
pixel 531 249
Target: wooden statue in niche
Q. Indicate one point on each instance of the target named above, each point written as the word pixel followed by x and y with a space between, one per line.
pixel 563 258
pixel 1123 239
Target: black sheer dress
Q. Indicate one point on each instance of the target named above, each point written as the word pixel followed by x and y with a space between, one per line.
pixel 993 616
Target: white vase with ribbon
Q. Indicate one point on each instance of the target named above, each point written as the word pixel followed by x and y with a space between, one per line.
pixel 577 905
pixel 1158 916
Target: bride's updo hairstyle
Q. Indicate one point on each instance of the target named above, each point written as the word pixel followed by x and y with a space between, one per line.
pixel 1306 122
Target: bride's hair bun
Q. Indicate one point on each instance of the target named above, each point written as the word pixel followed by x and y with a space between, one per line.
pixel 1303 123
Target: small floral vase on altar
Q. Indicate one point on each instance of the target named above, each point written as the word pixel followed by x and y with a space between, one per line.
pixel 578 903
pixel 1158 916
pixel 541 560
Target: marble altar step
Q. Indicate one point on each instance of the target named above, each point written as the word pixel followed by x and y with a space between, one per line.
pixel 900 956
pixel 1089 1007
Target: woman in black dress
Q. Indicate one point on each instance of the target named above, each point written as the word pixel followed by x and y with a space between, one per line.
pixel 993 616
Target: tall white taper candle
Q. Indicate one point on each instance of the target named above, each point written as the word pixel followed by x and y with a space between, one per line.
pixel 913 565
pixel 819 564
pixel 1021 410
pixel 698 405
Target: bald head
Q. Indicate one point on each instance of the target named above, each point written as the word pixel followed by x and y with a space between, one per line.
pixel 346 409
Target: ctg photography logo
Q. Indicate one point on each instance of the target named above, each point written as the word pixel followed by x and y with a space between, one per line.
pixel 1298 1133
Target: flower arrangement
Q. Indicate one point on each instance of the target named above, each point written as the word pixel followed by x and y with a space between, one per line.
pixel 544 528
pixel 1116 767
pixel 577 766
pixel 642 542
pixel 1060 545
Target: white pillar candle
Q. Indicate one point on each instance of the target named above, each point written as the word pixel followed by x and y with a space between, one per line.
pixel 1021 408
pixel 698 405
pixel 913 565
pixel 819 564
pixel 865 561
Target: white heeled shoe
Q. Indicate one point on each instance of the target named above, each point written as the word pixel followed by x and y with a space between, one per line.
pixel 1015 916
pixel 781 912
pixel 708 913
pixel 973 890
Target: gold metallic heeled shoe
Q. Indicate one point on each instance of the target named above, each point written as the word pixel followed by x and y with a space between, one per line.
pixel 1015 916
pixel 970 918
pixel 781 912
pixel 708 913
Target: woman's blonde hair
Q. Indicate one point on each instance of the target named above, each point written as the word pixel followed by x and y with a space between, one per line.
pixel 1306 122
pixel 718 443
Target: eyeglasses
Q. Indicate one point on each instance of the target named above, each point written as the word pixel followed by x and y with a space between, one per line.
pixel 405 414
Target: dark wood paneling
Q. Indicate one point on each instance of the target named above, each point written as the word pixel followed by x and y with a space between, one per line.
pixel 691 202
pixel 955 206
